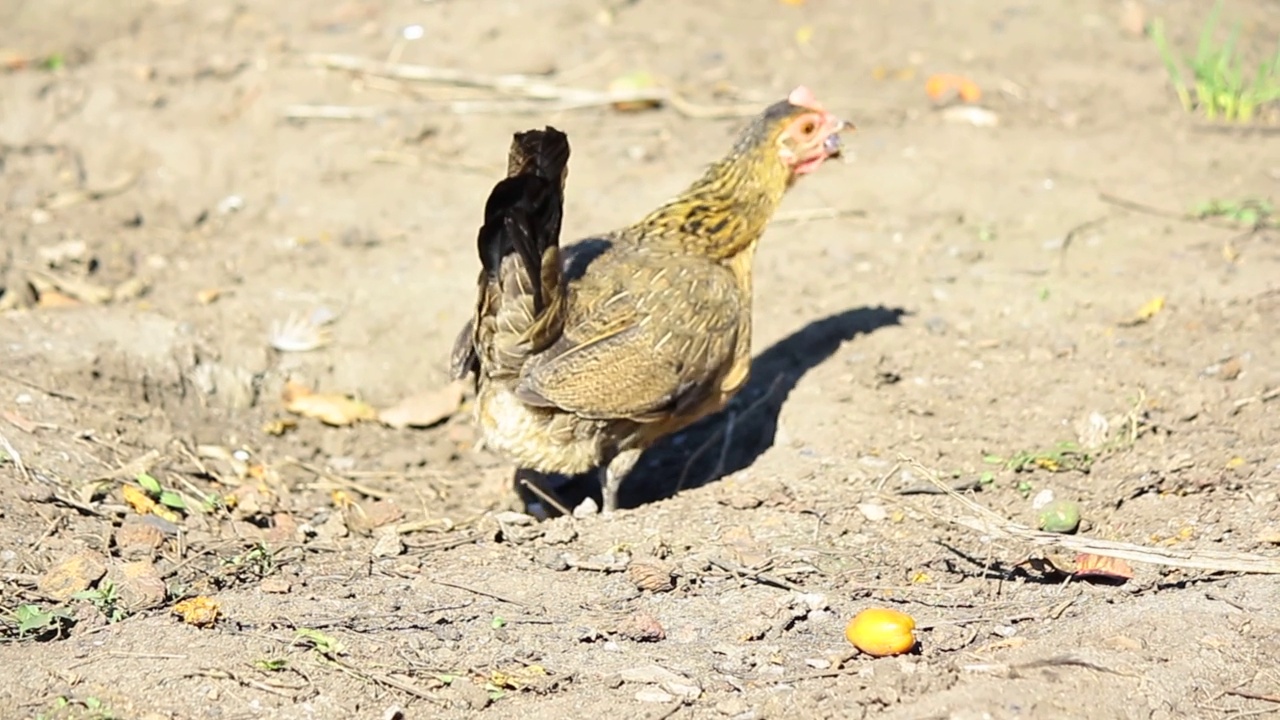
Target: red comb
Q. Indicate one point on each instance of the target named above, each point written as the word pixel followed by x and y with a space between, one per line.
pixel 803 97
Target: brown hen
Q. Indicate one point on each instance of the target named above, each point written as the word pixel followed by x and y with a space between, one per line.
pixel 582 361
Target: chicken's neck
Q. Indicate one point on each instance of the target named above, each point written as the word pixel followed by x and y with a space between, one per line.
pixel 725 212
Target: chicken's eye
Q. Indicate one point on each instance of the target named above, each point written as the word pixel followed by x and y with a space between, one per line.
pixel 809 127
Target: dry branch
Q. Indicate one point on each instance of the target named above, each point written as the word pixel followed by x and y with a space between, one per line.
pixel 533 94
pixel 992 524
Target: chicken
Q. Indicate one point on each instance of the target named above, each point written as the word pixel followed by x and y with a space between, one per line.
pixel 584 359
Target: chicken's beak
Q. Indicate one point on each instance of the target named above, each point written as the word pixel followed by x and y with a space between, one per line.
pixel 832 145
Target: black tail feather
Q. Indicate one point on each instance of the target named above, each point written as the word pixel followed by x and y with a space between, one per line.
pixel 524 211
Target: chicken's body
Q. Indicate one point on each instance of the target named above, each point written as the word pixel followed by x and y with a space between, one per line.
pixel 583 360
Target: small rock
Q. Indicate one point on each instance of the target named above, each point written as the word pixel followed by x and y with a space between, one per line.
pixel 275 585
pixel 650 575
pixel 553 560
pixel 334 527
pixel 873 512
pixel 641 627
pixel 72 575
pixel 936 325
pixel 587 508
pixel 388 544
pixel 284 529
pixel 138 585
pixel 654 695
pixel 136 538
pixel 1042 498
pixel 559 532
pixel 366 518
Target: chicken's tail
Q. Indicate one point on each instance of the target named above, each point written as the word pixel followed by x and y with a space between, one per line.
pixel 521 305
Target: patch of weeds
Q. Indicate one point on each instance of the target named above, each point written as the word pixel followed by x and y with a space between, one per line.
pixel 34 622
pixel 324 644
pixel 1250 212
pixel 68 708
pixel 256 562
pixel 1219 85
pixel 168 498
pixel 106 599
pixel 272 664
pixel 1063 457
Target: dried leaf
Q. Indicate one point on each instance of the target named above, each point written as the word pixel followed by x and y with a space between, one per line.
pixel 1100 566
pixel 54 300
pixel 633 81
pixel 199 611
pixel 941 87
pixel 208 295
pixel 328 408
pixel 1148 310
pixel 298 333
pixel 424 409
pixel 517 678
pixel 138 499
pixel 20 422
pixel 804 35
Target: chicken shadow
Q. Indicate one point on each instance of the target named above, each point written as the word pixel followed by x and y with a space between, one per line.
pixel 700 455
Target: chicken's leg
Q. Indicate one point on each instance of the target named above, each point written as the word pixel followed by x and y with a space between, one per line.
pixel 611 476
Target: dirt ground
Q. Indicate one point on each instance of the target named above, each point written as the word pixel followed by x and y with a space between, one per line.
pixel 955 298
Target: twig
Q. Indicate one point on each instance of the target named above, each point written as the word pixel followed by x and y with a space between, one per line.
pixel 34 386
pixel 990 523
pixel 483 593
pixel 787 217
pixel 743 573
pixel 547 97
pixel 545 496
pixel 15 457
pixel 841 668
pixel 1254 696
pixel 333 478
pixel 1145 209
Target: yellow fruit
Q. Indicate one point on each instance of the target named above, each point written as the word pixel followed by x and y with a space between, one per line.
pixel 881 632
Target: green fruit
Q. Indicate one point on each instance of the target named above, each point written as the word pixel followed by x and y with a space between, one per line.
pixel 1060 516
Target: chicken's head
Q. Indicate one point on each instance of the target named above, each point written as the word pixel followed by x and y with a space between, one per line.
pixel 806 133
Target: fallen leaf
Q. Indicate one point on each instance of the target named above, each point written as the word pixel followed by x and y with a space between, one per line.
pixel 199 611
pixel 804 35
pixel 517 678
pixel 971 115
pixel 54 300
pixel 279 426
pixel 1090 565
pixel 208 295
pixel 942 86
pixel 138 499
pixel 1148 310
pixel 634 82
pixel 20 422
pixel 328 408
pixel 424 409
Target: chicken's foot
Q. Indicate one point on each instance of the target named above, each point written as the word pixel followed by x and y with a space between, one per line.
pixel 611 477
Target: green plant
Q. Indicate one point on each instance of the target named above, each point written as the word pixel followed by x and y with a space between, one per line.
pixel 106 598
pixel 168 498
pixel 1251 212
pixel 1063 457
pixel 34 621
pixel 1218 77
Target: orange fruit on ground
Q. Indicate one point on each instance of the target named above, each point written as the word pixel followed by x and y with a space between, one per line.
pixel 881 632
